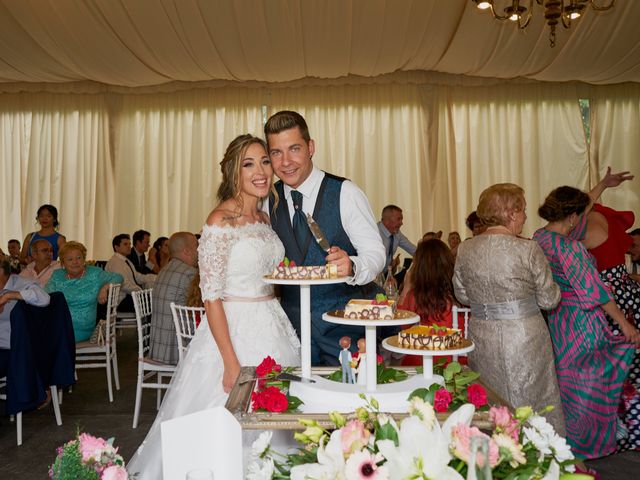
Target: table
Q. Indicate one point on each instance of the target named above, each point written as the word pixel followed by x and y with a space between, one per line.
pixel 239 403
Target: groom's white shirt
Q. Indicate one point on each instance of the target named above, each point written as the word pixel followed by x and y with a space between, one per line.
pixel 357 220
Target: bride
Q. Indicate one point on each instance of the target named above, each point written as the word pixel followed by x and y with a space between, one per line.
pixel 245 321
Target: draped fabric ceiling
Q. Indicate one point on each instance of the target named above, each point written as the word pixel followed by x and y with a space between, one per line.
pixel 113 109
pixel 137 43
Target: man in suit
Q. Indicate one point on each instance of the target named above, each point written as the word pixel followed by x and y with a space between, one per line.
pixel 141 240
pixel 343 213
pixel 172 285
pixel 392 238
pixel 133 280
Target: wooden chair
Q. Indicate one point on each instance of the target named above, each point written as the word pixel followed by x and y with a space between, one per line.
pixel 455 314
pixel 93 355
pixel 184 319
pixel 147 367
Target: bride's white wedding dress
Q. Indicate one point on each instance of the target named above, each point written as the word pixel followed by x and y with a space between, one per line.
pixel 232 262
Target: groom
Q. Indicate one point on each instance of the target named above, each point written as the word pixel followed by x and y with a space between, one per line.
pixel 343 213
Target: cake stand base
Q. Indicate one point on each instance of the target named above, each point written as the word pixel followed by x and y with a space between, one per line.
pixel 326 396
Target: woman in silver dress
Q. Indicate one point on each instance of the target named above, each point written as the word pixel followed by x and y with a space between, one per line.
pixel 505 280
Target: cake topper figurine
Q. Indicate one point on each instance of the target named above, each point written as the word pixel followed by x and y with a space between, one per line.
pixel 345 360
pixel 361 370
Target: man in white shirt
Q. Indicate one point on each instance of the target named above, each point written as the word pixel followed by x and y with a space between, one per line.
pixel 343 213
pixel 392 238
pixel 12 289
pixel 42 266
pixel 133 280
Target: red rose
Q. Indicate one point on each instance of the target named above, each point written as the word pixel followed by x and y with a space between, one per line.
pixel 267 366
pixel 257 400
pixel 442 400
pixel 477 395
pixel 275 400
pixel 379 359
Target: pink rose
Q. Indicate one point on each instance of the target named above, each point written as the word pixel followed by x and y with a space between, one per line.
pixel 442 400
pixel 461 435
pixel 91 447
pixel 505 421
pixel 114 472
pixel 477 395
pixel 354 436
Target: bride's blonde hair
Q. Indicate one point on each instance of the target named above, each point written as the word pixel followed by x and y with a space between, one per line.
pixel 231 165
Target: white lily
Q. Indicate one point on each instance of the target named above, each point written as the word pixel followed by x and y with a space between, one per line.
pixel 421 452
pixel 264 472
pixel 330 464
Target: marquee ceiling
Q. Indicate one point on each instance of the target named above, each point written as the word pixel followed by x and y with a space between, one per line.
pixel 137 43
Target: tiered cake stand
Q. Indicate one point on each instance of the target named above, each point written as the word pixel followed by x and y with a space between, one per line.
pixel 325 395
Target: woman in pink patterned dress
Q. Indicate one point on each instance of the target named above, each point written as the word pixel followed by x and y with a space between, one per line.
pixel 591 362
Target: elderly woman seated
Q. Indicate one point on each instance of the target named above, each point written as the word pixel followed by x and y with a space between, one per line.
pixel 83 287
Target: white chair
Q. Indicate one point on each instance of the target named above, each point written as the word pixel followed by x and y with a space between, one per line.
pixel 455 314
pixel 18 416
pixel 184 319
pixel 93 355
pixel 147 367
pixel 125 320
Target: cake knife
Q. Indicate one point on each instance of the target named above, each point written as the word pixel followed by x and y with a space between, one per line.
pixel 318 234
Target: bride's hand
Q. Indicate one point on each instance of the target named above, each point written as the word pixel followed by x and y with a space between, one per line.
pixel 230 375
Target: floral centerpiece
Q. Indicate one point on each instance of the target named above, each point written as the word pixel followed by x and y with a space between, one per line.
pixel 88 458
pixel 271 393
pixel 371 445
pixel 457 390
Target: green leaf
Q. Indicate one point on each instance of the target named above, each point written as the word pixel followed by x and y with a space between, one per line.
pixel 294 403
pixel 335 376
pixel 387 432
pixel 451 369
pixel 418 392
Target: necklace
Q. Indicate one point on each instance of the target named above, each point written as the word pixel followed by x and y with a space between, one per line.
pixel 69 277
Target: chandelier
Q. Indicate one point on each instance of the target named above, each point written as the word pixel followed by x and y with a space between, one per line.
pixel 555 11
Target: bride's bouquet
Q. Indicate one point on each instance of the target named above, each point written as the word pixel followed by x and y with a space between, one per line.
pixel 372 445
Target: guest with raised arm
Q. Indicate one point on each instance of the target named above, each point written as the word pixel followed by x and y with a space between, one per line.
pixel 392 238
pixel 591 362
pixel 343 213
pixel 47 217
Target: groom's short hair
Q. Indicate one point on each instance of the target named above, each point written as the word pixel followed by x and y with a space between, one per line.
pixel 286 120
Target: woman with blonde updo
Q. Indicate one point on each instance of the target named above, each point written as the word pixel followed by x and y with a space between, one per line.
pixel 592 363
pixel 83 286
pixel 506 279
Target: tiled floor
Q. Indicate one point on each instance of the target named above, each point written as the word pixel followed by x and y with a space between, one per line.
pixel 88 409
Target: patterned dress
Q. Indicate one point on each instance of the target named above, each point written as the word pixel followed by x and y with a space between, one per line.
pixel 591 362
pixel 610 260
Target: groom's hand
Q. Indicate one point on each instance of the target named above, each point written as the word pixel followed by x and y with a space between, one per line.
pixel 341 259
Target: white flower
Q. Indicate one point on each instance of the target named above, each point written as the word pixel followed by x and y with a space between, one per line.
pixel 509 449
pixel 260 447
pixel 256 472
pixel 553 473
pixel 421 452
pixel 423 410
pixel 330 464
pixel 362 465
pixel 562 451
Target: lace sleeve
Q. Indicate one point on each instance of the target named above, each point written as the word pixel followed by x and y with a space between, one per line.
pixel 213 257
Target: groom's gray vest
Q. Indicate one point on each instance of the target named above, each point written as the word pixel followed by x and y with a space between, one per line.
pixel 324 336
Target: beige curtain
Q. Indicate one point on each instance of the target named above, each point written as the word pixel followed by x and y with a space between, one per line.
pixel 55 149
pixel 116 162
